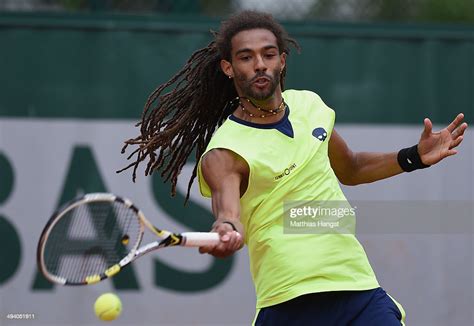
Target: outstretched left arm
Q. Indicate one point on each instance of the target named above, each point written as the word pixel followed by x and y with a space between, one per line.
pixel 364 167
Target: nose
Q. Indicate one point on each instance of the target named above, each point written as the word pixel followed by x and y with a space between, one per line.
pixel 260 64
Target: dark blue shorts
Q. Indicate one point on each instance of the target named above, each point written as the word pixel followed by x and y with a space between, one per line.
pixel 355 308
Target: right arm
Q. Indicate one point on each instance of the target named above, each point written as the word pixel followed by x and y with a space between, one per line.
pixel 226 173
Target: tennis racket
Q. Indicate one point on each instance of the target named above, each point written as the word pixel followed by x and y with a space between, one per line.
pixel 95 236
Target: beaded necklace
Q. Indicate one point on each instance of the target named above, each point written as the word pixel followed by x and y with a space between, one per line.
pixel 267 113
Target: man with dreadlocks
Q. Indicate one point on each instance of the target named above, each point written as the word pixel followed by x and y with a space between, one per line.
pixel 272 147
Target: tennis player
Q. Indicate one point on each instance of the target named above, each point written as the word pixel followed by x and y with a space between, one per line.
pixel 274 146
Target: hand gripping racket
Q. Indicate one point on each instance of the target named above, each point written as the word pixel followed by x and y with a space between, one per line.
pixel 92 238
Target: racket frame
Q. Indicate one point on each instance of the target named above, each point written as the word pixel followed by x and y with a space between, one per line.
pixel 188 239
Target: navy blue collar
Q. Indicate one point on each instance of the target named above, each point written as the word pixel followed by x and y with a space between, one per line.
pixel 283 125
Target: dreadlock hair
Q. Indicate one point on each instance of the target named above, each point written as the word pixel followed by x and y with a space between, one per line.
pixel 175 123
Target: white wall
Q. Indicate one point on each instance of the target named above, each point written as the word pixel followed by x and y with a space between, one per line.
pixel 429 273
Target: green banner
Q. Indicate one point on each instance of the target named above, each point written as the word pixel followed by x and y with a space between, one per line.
pixel 105 66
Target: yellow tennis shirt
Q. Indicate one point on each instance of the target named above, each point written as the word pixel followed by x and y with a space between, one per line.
pixel 289 165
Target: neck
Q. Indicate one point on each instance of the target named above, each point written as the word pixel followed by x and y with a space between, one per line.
pixel 267 111
pixel 267 104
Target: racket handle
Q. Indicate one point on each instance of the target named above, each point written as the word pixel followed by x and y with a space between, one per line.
pixel 199 239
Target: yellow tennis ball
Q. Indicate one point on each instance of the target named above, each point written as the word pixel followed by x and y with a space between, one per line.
pixel 108 306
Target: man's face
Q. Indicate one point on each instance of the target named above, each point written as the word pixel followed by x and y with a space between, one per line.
pixel 256 64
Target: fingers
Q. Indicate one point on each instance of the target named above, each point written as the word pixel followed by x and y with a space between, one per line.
pixel 457 134
pixel 453 125
pixel 230 242
pixel 428 127
pixel 459 131
pixel 205 249
pixel 235 242
pixel 456 142
pixel 451 152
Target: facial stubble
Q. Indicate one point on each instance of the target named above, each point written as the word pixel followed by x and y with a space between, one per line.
pixel 246 88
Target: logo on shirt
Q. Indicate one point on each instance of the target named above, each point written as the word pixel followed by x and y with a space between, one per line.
pixel 286 171
pixel 320 134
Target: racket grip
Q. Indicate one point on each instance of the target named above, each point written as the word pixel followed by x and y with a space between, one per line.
pixel 199 239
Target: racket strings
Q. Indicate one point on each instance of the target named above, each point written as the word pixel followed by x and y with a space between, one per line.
pixel 90 238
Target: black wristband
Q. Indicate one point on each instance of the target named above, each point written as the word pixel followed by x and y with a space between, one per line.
pixel 409 159
pixel 231 224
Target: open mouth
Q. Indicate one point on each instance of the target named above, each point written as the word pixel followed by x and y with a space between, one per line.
pixel 261 82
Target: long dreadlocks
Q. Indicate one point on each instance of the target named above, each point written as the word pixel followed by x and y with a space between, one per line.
pixel 180 121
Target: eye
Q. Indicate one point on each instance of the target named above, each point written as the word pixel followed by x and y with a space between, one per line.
pixel 245 58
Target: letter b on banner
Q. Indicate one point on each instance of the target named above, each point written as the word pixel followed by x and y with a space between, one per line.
pixel 10 254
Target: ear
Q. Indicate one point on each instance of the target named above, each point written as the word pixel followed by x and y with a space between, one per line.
pixel 226 67
pixel 283 60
